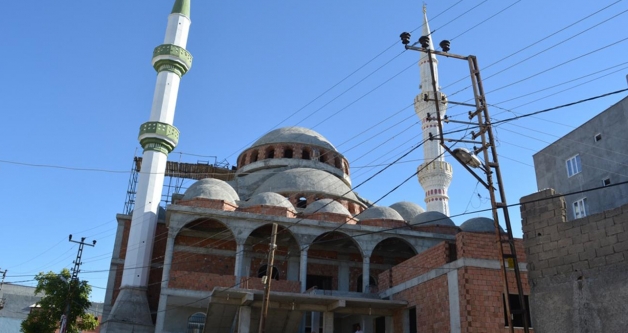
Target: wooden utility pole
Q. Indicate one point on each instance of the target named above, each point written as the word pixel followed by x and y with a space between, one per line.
pixel 268 277
pixel 77 264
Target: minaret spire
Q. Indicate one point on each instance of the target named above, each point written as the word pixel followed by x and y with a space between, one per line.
pixel 158 137
pixel 434 173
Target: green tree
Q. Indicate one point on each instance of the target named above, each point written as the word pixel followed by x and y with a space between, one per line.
pixel 58 290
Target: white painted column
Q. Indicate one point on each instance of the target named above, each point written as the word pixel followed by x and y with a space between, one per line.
pixel 165 278
pixel 316 320
pixel 328 322
pixel 239 258
pixel 303 269
pixel 366 271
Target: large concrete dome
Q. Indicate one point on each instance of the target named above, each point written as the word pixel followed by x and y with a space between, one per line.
pixel 326 206
pixel 211 188
pixel 432 218
pixel 294 135
pixel 380 213
pixel 268 199
pixel 307 181
pixel 407 210
pixel 479 224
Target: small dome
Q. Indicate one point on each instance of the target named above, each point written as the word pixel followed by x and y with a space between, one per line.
pixel 306 180
pixel 294 135
pixel 379 213
pixel 479 224
pixel 268 199
pixel 407 210
pixel 211 188
pixel 431 219
pixel 326 206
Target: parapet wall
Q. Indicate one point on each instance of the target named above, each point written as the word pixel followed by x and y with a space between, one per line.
pixel 577 269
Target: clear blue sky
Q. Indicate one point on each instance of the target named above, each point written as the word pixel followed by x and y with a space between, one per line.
pixel 77 83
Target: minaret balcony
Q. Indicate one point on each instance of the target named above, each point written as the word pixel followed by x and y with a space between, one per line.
pixel 173 58
pixel 158 136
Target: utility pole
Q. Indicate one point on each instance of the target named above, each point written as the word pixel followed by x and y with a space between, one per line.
pixel 490 165
pixel 73 281
pixel 268 277
pixel 4 274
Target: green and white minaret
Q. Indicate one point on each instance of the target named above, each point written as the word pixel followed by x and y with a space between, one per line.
pixel 158 137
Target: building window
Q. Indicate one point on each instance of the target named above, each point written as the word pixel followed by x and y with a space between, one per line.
pixel 261 272
pixel 287 153
pixel 573 166
pixel 270 153
pixel 515 313
pixel 302 202
pixel 598 137
pixel 580 208
pixel 606 181
pixel 196 323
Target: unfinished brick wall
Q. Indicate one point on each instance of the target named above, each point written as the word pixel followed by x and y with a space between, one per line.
pixel 431 300
pixel 578 269
pixel 199 281
pixel 483 246
pixel 422 263
pixel 481 298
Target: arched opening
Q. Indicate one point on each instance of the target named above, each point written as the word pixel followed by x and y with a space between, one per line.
pixel 288 152
pixel 196 323
pixel 338 162
pixel 254 156
pixel 261 272
pixel 301 202
pixel 305 154
pixel 323 157
pixel 270 152
pixel 372 284
pixel 325 254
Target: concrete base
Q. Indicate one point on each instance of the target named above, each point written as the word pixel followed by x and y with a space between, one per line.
pixel 130 313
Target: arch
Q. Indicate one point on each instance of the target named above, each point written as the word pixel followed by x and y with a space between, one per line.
pixel 301 201
pixel 306 154
pixel 392 251
pixel 261 272
pixel 196 323
pixel 336 239
pixel 254 156
pixel 257 250
pixel 323 156
pixel 270 152
pixel 288 152
pixel 324 254
pixel 338 162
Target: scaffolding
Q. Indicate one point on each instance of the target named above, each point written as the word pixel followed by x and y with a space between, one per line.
pixel 175 175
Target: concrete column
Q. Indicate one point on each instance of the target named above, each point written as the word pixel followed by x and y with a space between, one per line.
pixel 454 301
pixel 293 269
pixel 246 261
pixel 239 258
pixel 328 322
pixel 389 324
pixel 165 277
pixel 366 273
pixel 343 273
pixel 316 320
pixel 244 319
pixel 303 269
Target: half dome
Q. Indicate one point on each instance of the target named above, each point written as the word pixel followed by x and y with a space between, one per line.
pixel 432 218
pixel 479 224
pixel 407 210
pixel 326 206
pixel 379 213
pixel 211 188
pixel 307 181
pixel 294 135
pixel 267 199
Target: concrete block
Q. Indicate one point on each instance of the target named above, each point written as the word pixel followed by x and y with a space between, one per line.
pixel 555 262
pixel 588 227
pixel 547 255
pixel 573 232
pixel 565 242
pixel 575 248
pixel 587 255
pixel 599 234
pixel 596 217
pixel 564 269
pixel 550 246
pixel 550 271
pixel 581 266
pixel 620 247
pixel 605 223
pixel 615 229
pixel 615 258
pixel 604 251
pixel 580 239
pixel 572 258
pixel 597 262
pixel 622 236
pixel 535 275
pixel 607 241
pixel 612 212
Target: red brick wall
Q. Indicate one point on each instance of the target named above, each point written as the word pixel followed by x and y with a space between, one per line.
pixel 383 223
pixel 199 281
pixel 432 306
pixel 481 300
pixel 208 203
pixel 269 210
pixel 422 263
pixel 276 285
pixel 483 246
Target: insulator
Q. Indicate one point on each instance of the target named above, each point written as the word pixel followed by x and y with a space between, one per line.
pixel 424 41
pixel 405 38
pixel 445 45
